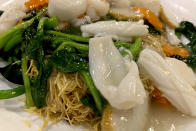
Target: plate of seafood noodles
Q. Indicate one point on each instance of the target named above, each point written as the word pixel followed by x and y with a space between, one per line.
pixel 97 65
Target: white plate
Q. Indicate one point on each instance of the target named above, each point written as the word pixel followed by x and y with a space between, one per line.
pixel 13 118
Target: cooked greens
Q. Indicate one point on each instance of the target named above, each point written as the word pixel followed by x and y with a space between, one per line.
pixel 11 93
pixel 189 31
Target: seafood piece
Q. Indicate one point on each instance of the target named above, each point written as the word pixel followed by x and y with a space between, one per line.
pixel 8 18
pixel 168 18
pixel 181 13
pixel 153 5
pixel 125 14
pixel 134 119
pixel 67 10
pixel 97 8
pixel 173 78
pixel 117 78
pixel 123 30
pixel 171 36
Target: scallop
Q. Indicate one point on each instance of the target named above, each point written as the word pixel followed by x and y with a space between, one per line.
pixel 173 78
pixel 134 119
pixel 117 78
pixel 122 30
pixel 67 10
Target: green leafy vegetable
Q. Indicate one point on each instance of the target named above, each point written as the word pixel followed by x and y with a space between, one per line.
pixel 13 36
pixel 98 98
pixel 189 31
pixel 68 62
pixel 134 48
pixel 68 36
pixel 88 100
pixel 13 73
pixel 73 30
pixel 29 99
pixel 11 93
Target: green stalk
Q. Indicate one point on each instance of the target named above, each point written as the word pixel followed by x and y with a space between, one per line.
pixel 9 39
pixel 11 93
pixel 29 99
pixel 80 47
pixel 95 93
pixel 68 36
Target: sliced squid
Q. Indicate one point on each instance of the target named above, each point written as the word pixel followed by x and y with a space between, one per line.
pixel 13 12
pixel 153 5
pixel 115 77
pixel 173 78
pixel 123 30
pixel 134 119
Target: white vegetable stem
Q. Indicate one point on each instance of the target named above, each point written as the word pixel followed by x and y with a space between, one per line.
pixel 173 78
pixel 115 77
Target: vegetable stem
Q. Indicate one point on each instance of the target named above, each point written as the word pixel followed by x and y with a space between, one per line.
pixel 11 93
pixel 80 47
pixel 68 36
pixel 29 99
pixel 95 93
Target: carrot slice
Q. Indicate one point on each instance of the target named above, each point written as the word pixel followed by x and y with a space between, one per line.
pixel 157 97
pixel 170 50
pixel 35 4
pixel 150 17
pixel 20 22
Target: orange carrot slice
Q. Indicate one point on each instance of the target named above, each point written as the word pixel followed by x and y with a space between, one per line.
pixel 158 97
pixel 150 17
pixel 35 4
pixel 170 50
pixel 20 22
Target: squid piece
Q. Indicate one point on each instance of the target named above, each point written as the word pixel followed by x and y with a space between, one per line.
pixel 173 78
pixel 117 78
pixel 13 12
pixel 134 119
pixel 67 10
pixel 123 30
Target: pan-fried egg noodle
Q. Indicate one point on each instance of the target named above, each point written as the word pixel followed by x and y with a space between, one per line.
pixel 103 64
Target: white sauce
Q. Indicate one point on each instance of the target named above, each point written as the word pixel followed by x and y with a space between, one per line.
pixel 164 118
